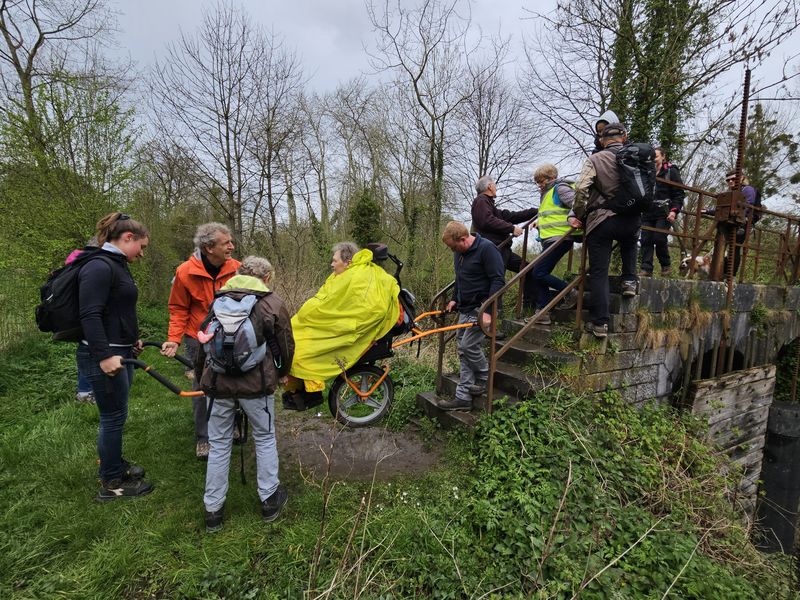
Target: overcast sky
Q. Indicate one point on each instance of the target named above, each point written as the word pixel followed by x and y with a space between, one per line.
pixel 329 35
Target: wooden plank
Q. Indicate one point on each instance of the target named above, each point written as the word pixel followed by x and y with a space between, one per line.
pixel 740 428
pixel 719 409
pixel 737 377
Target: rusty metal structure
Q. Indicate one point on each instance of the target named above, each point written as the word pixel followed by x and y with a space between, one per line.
pixel 775 243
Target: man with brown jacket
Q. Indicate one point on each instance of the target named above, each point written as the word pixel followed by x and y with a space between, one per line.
pixel 597 182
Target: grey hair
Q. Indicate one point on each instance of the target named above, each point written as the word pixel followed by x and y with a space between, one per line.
pixel 346 250
pixel 206 234
pixel 255 266
pixel 483 184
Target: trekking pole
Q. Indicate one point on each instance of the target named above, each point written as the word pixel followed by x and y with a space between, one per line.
pixel 139 364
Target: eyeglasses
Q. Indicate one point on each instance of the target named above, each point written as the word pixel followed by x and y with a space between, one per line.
pixel 730 179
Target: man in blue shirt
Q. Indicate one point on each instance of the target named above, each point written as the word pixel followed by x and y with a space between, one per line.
pixel 479 274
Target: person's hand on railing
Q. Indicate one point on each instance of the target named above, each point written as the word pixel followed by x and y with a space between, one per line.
pixel 575 222
pixel 672 215
pixel 486 320
pixel 517 231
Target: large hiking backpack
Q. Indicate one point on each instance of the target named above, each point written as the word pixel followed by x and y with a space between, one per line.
pixel 636 167
pixel 236 344
pixel 59 311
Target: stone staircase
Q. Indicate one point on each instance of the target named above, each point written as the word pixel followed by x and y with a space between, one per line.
pixel 559 355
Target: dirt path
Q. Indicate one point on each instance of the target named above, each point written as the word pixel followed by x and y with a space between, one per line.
pixel 305 439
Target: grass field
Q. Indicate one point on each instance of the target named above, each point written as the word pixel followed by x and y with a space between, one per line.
pixel 561 497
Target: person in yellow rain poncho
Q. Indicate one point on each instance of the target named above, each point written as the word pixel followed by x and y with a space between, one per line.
pixel 355 306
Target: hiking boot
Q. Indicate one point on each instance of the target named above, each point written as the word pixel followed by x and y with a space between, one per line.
pixel 271 507
pixel 455 405
pixel 214 519
pixel 201 450
pixel 123 488
pixel 477 389
pixel 569 301
pixel 85 397
pixel 628 289
pixel 598 331
pixel 645 274
pixel 666 271
pixel 542 320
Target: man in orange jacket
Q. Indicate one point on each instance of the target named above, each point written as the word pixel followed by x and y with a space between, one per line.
pixel 193 288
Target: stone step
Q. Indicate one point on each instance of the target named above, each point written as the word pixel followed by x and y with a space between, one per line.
pixel 523 352
pixel 428 402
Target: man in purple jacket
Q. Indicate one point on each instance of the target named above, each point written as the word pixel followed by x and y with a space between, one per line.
pixel 497 224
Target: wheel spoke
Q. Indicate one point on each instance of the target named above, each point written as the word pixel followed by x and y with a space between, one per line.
pixel 348 401
pixel 371 401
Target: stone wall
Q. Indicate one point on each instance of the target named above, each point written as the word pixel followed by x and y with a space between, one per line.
pixel 661 340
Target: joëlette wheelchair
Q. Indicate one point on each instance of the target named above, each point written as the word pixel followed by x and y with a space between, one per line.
pixel 363 394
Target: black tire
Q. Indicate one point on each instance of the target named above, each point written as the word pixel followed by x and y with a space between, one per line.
pixel 347 406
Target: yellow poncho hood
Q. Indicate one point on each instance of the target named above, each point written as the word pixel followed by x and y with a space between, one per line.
pixel 349 312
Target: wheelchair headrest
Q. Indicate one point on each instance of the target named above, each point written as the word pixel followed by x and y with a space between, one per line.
pixel 380 252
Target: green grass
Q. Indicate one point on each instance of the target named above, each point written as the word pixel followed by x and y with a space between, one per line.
pixel 494 516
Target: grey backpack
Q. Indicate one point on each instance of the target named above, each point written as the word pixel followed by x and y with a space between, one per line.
pixel 237 344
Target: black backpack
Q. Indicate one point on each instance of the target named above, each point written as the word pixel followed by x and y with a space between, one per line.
pixel 636 167
pixel 59 313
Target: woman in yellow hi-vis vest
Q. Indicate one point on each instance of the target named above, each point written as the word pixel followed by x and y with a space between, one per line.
pixel 554 207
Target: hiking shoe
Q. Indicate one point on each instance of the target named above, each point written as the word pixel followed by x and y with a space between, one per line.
pixel 569 301
pixel 628 289
pixel 271 507
pixel 598 331
pixel 645 274
pixel 477 389
pixel 666 271
pixel 542 320
pixel 123 488
pixel 214 519
pixel 455 405
pixel 201 450
pixel 132 471
pixel 85 397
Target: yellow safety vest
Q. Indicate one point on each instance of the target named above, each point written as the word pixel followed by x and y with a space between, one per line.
pixel 553 216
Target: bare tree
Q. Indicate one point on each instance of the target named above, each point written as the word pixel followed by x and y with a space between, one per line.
pixel 656 65
pixel 428 48
pixel 207 95
pixel 36 35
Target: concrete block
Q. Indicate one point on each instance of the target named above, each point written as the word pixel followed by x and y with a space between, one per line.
pixel 711 294
pixel 745 297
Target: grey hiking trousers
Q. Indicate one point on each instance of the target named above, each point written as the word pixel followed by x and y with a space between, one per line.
pixel 474 366
pixel 261 413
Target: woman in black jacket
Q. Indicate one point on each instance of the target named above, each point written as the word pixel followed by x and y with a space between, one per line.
pixel 667 203
pixel 107 300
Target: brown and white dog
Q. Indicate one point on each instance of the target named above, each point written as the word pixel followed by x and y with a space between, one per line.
pixel 702 266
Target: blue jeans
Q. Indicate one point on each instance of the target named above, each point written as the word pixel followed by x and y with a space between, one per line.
pixel 111 396
pixel 542 277
pixel 84 386
pixel 261 413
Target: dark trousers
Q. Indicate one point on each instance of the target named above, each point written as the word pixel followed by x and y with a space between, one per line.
pixel 620 228
pixel 543 279
pixel 191 347
pixel 111 396
pixel 513 263
pixel 651 239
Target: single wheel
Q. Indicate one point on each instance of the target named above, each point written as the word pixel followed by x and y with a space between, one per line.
pixel 352 410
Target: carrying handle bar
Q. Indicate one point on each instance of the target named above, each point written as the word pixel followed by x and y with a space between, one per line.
pixel 160 378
